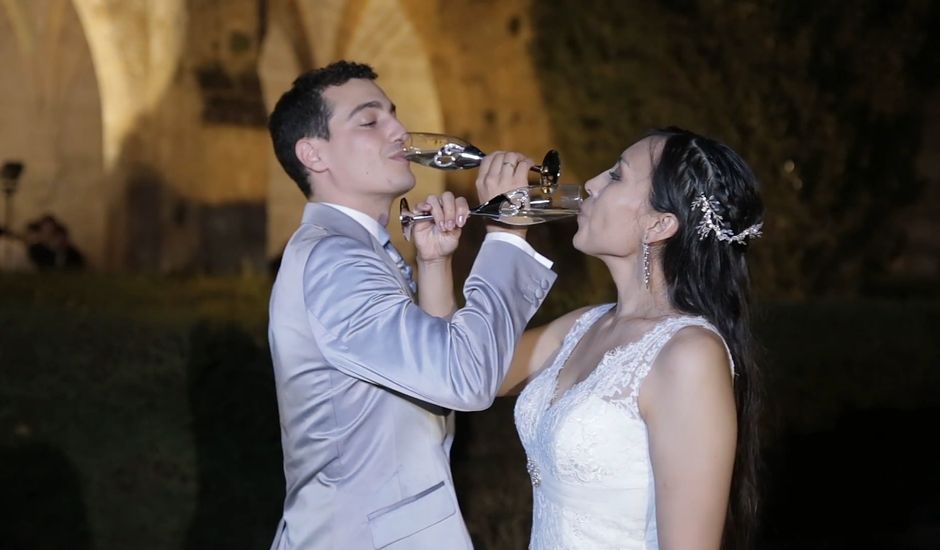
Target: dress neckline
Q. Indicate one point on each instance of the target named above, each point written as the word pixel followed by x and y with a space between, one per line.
pixel 554 398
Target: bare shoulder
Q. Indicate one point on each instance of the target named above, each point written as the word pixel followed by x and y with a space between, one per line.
pixel 694 359
pixel 694 351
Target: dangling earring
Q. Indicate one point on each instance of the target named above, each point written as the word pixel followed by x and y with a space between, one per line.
pixel 646 265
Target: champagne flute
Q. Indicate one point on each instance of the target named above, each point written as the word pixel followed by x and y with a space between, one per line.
pixel 452 153
pixel 520 207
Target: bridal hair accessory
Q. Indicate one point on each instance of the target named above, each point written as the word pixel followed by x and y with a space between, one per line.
pixel 713 222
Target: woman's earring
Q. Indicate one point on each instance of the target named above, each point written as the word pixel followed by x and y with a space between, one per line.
pixel 646 265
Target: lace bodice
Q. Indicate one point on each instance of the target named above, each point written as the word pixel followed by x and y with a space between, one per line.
pixel 587 451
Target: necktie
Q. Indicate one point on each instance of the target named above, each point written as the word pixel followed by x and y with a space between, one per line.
pixel 402 266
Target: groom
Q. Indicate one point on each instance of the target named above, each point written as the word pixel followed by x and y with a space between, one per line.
pixel 364 376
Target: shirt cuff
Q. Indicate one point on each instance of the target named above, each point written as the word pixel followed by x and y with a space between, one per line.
pixel 520 243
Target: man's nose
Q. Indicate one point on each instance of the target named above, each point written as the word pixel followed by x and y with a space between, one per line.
pixel 399 132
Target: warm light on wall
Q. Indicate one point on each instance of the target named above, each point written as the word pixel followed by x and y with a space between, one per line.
pixel 136 48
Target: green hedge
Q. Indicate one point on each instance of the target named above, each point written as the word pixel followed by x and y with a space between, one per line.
pixel 140 412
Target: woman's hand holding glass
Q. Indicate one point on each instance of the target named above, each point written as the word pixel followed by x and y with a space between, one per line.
pixel 501 173
pixel 505 193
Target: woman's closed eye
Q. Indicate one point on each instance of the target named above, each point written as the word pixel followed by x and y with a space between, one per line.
pixel 614 175
pixel 368 124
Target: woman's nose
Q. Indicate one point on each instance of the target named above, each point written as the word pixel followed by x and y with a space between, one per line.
pixel 589 187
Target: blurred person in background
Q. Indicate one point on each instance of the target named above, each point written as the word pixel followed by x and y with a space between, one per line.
pixel 50 248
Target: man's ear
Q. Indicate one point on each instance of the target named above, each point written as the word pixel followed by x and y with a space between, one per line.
pixel 308 152
pixel 663 226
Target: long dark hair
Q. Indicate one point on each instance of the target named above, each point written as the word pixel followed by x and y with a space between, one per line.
pixel 709 277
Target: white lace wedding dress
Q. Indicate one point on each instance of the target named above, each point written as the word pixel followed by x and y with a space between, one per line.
pixel 587 451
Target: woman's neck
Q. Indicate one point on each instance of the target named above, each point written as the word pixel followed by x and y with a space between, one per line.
pixel 634 299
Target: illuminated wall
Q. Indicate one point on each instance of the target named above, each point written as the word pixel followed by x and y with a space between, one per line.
pixel 142 123
pixel 51 119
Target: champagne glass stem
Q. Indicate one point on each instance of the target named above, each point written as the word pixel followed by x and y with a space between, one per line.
pixel 408 218
pixel 489 208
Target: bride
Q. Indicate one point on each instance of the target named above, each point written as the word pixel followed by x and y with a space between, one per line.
pixel 638 418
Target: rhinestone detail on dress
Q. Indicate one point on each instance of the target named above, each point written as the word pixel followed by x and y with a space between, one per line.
pixel 534 473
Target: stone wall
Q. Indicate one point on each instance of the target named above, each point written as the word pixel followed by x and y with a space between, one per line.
pixel 142 125
pixel 51 120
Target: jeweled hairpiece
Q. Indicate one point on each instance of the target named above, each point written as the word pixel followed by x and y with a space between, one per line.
pixel 712 222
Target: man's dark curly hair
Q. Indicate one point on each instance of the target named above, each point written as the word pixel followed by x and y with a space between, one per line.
pixel 303 112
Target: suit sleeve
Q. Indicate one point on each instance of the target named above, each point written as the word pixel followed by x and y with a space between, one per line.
pixel 370 329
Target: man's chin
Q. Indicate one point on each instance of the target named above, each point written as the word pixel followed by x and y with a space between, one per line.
pixel 404 186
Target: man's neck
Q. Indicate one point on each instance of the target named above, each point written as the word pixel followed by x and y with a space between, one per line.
pixel 376 209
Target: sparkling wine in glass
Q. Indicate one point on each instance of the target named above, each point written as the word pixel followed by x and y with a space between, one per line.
pixel 452 153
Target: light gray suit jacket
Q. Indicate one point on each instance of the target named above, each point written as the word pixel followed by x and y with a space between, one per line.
pixel 365 379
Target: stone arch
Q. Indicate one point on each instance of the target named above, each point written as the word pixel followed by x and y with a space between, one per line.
pixel 385 37
pixel 50 99
pixel 378 32
pixel 136 49
pixel 285 53
pixel 145 103
pixel 180 101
